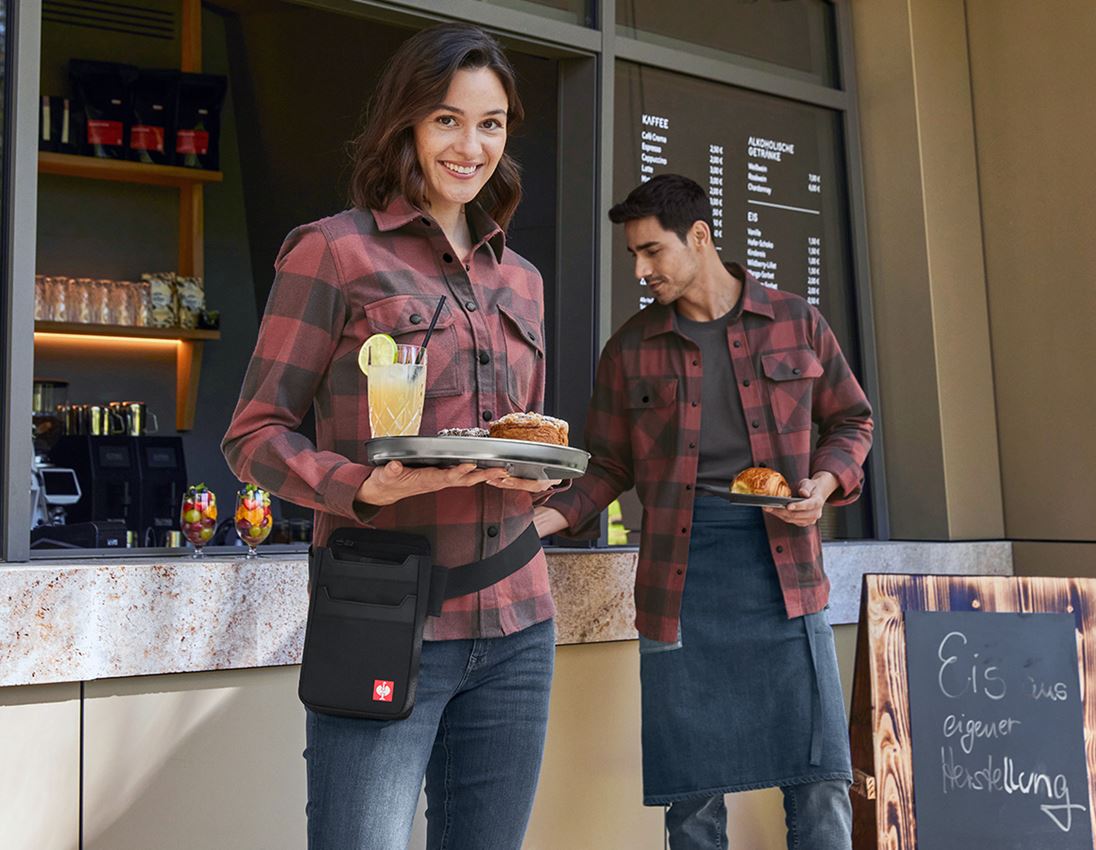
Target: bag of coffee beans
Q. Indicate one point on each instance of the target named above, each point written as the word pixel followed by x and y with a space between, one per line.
pixel 165 309
pixel 190 295
pixel 103 90
pixel 198 120
pixel 152 128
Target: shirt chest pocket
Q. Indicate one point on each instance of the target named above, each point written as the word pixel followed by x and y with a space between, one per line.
pixel 652 411
pixel 405 318
pixel 790 377
pixel 524 351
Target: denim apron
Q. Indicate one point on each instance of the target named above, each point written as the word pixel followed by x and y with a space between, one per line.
pixel 746 698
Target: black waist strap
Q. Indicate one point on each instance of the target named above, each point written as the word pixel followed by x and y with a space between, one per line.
pixel 451 582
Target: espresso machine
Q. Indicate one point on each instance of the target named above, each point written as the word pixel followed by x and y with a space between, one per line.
pixel 135 480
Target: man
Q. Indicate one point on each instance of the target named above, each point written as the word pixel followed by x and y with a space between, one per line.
pixel 737 663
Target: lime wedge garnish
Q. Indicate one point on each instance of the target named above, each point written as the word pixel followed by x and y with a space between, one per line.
pixel 379 348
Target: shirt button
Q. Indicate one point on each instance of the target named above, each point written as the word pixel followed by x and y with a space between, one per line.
pixel 694 404
pixel 426 221
pixel 492 531
pixel 484 358
pixel 680 572
pixel 688 486
pixel 470 306
pixel 467 267
pixel 737 344
pixel 646 399
pixel 488 416
pixel 692 445
pixel 779 549
pixel 532 336
pixel 416 319
pixel 756 424
pixel 746 382
pixel 795 371
pixel 447 257
pixel 684 530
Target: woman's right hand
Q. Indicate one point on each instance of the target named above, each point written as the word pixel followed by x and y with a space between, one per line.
pixel 394 481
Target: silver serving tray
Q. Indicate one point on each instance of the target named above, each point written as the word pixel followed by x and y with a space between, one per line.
pixel 749 498
pixel 521 458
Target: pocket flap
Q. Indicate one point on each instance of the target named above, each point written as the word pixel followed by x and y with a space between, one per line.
pixel 527 327
pixel 402 314
pixel 643 392
pixel 791 365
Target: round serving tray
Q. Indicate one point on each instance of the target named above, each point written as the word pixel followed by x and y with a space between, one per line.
pixel 520 458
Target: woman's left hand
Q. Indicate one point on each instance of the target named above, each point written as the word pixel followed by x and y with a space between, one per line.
pixel 526 484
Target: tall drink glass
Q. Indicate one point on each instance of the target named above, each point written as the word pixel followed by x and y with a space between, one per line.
pixel 396 391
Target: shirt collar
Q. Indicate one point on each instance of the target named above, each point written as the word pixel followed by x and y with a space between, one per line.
pixel 401 213
pixel 755 299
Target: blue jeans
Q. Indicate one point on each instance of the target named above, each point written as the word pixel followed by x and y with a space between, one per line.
pixel 476 735
pixel 818 816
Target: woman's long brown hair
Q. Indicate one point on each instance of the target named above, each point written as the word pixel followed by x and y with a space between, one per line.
pixel 413 83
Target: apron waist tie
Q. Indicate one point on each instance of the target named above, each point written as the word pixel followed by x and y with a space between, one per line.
pixel 817 703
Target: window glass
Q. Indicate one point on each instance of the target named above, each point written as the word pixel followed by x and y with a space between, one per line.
pixel 797 35
pixel 571 11
pixel 774 171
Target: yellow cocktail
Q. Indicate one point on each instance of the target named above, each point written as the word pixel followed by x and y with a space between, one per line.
pixel 396 388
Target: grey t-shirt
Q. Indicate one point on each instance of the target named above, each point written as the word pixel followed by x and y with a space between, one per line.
pixel 724 441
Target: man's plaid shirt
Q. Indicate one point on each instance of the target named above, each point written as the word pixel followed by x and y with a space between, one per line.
pixel 361 272
pixel 643 429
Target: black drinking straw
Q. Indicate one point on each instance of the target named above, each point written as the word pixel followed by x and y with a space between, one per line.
pixel 430 330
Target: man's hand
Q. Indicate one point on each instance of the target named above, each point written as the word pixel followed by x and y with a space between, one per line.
pixel 526 484
pixel 815 491
pixel 394 481
pixel 548 521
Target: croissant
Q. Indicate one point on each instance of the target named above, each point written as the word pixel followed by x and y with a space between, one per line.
pixel 759 481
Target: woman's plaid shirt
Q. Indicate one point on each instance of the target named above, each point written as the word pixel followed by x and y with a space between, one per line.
pixel 643 430
pixel 362 272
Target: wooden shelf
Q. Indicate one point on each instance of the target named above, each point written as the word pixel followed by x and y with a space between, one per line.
pixel 188 356
pixel 124 171
pixel 124 331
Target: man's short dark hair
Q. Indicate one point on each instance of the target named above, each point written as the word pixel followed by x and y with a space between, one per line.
pixel 676 201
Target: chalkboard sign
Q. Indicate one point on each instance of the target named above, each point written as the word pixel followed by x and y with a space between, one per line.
pixel 996 731
pixel 973 718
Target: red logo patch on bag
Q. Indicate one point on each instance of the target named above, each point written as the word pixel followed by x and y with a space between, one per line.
pixel 382 690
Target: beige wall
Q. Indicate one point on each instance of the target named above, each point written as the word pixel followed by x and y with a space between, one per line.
pixel 1054 559
pixel 928 281
pixel 1033 67
pixel 40 767
pixel 213 760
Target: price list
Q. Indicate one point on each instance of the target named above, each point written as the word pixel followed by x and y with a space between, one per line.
pixel 772 169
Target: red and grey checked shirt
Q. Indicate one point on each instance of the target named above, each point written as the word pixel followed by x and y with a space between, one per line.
pixel 643 429
pixel 362 272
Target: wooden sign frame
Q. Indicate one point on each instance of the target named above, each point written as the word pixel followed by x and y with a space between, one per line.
pixel 879 721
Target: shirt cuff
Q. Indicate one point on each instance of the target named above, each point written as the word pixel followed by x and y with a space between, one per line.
pixel 570 505
pixel 341 489
pixel 849 474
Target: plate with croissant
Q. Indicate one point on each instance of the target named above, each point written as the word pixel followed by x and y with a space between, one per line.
pixel 758 486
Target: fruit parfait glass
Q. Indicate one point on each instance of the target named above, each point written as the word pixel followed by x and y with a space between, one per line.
pixel 253 520
pixel 198 518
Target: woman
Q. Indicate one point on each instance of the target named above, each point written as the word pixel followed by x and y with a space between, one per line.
pixel 432 190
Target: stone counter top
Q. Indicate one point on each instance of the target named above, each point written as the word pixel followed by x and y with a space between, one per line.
pixel 65 621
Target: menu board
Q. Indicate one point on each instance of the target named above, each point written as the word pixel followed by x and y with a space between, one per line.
pixel 772 169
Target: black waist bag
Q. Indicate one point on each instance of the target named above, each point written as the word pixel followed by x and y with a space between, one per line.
pixel 370 594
